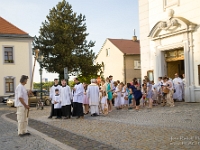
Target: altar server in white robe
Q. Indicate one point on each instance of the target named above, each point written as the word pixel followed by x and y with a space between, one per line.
pixel 178 86
pixel 52 96
pixel 66 96
pixel 57 104
pixel 78 92
pixel 93 95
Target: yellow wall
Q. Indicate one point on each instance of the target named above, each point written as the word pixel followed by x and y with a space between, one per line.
pixel 113 63
pixel 130 71
pixel 22 62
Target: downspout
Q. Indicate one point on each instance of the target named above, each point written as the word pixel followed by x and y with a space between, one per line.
pixel 124 69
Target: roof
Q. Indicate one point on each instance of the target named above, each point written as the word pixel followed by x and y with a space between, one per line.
pixel 8 28
pixel 127 46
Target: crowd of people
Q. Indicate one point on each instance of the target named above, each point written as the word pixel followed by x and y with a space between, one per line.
pixel 97 98
pixel 100 98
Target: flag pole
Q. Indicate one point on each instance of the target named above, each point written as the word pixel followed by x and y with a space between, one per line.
pixel 31 84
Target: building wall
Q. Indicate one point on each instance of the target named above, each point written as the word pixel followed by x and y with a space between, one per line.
pixel 131 72
pixel 144 40
pixel 22 62
pixel 151 12
pixel 114 63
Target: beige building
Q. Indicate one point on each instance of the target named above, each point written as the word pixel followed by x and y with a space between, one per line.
pixel 16 57
pixel 170 41
pixel 120 58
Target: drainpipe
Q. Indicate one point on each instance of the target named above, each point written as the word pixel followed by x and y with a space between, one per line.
pixel 124 69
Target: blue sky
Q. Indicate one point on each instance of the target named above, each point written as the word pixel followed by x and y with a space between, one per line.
pixel 104 18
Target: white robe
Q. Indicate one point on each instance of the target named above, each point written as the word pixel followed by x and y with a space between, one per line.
pixel 65 95
pixel 93 94
pixel 52 92
pixel 78 93
pixel 118 98
pixel 58 100
pixel 178 95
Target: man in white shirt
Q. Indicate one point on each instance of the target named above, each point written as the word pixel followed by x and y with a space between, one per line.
pixel 21 102
pixel 93 95
pixel 78 92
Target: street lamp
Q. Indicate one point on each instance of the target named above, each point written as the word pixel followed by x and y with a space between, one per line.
pixel 40 60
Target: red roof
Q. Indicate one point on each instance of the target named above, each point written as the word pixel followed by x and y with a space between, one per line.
pixel 8 28
pixel 127 46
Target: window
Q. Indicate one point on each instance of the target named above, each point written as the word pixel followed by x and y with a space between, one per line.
pixel 8 55
pixel 137 64
pixel 9 84
pixel 108 52
pixel 169 3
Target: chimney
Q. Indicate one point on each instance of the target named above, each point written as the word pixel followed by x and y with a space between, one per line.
pixel 134 37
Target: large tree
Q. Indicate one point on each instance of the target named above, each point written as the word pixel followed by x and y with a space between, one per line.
pixel 62 41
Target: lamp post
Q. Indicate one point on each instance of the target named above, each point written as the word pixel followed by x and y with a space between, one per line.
pixel 40 60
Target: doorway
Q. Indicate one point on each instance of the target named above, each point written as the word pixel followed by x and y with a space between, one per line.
pixel 174 62
pixel 175 67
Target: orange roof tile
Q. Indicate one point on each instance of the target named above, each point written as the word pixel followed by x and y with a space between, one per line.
pixel 8 28
pixel 127 46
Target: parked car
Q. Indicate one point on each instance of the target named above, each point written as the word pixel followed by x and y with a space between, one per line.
pixel 10 102
pixel 4 99
pixel 34 98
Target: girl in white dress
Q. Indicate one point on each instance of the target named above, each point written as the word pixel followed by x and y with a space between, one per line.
pixel 104 104
pixel 123 94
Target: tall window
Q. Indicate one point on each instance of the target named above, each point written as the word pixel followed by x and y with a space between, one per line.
pixel 108 52
pixel 137 64
pixel 9 84
pixel 8 55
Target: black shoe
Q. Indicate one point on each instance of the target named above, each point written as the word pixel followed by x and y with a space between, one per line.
pixel 50 117
pixel 25 134
pixel 78 117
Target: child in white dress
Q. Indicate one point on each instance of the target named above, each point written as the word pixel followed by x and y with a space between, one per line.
pixel 104 104
pixel 155 96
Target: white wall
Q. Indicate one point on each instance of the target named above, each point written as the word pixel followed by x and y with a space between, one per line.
pixel 151 12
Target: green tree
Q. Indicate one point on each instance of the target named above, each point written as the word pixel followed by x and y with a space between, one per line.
pixel 62 41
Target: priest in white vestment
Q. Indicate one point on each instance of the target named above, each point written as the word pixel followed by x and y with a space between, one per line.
pixel 93 95
pixel 65 96
pixel 78 92
pixel 178 87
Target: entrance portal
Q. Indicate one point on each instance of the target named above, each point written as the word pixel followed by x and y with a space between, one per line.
pixel 174 62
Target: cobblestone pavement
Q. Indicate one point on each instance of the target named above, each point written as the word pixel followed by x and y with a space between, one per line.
pixel 160 128
pixel 9 140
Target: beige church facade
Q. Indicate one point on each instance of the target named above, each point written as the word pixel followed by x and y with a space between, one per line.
pixel 170 41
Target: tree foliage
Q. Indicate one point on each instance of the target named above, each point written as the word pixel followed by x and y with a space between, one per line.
pixel 62 41
pixel 45 86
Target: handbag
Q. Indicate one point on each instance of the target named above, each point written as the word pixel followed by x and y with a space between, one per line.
pixel 126 97
pixel 165 90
